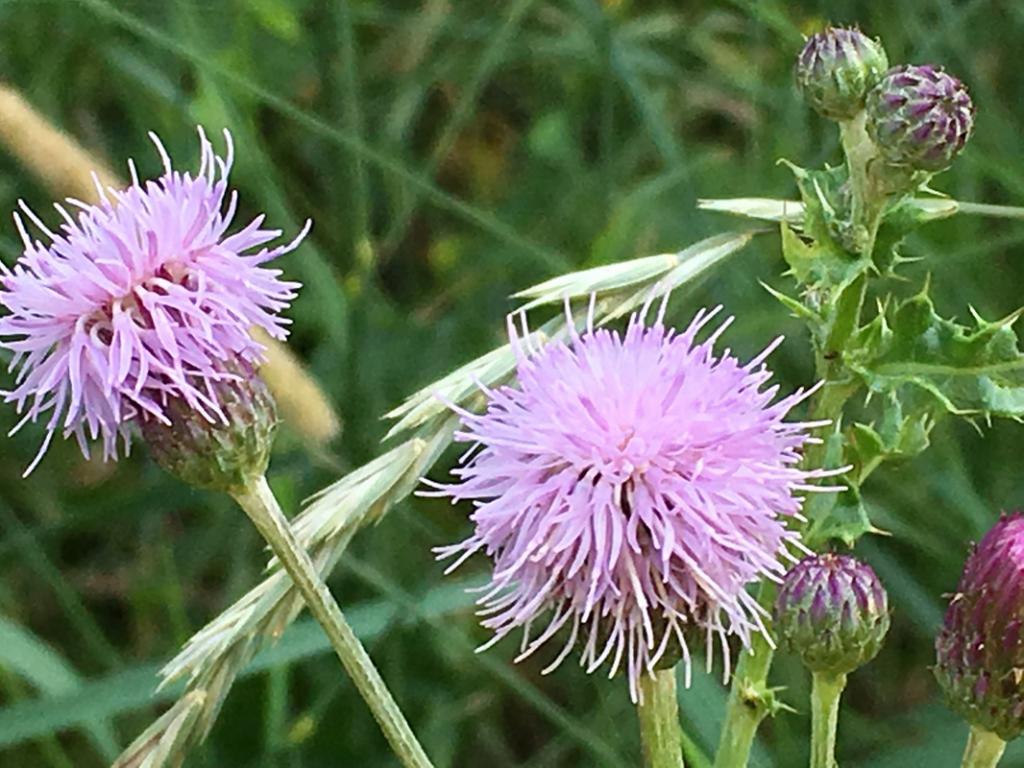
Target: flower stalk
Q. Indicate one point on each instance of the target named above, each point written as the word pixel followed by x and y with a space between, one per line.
pixel 658 712
pixel 750 698
pixel 261 506
pixel 867 201
pixel 984 749
pixel 825 694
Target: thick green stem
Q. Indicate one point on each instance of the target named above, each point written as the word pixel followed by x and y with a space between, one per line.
pixel 658 712
pixel 749 700
pixel 262 508
pixel 984 749
pixel 825 693
pixel 867 199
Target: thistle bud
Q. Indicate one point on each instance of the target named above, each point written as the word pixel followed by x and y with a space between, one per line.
pixel 837 68
pixel 214 451
pixel 833 612
pixel 980 648
pixel 920 117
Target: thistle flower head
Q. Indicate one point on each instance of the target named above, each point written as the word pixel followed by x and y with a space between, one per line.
pixel 836 69
pixel 920 116
pixel 218 455
pixel 980 648
pixel 140 300
pixel 833 612
pixel 629 488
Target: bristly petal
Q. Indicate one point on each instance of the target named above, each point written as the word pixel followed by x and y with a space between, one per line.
pixel 137 300
pixel 631 486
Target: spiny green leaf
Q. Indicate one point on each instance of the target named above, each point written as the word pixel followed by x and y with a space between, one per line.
pixel 798 308
pixel 896 435
pixel 965 370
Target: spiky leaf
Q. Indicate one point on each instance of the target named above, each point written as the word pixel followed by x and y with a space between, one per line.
pixel 975 371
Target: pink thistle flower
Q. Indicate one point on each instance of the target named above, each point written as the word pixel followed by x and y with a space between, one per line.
pixel 140 299
pixel 629 488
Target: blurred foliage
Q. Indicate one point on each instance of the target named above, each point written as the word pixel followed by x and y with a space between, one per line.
pixel 451 153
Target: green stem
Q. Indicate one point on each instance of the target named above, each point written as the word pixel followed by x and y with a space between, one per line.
pixel 983 750
pixel 825 693
pixel 749 700
pixel 867 199
pixel 658 712
pixel 262 508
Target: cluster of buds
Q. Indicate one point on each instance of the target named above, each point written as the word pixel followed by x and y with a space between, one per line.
pixel 980 648
pixel 919 117
pixel 833 612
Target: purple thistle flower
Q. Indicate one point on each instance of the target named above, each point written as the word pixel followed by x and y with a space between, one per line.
pixel 138 300
pixel 629 489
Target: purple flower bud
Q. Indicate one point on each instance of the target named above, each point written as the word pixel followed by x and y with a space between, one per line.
pixel 224 451
pixel 980 648
pixel 920 117
pixel 837 68
pixel 833 612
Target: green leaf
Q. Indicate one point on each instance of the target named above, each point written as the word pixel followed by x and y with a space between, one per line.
pixel 843 517
pixel 970 371
pixel 840 515
pixel 897 436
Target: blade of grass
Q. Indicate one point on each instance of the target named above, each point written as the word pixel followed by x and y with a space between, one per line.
pixel 489 60
pixel 132 688
pixel 28 656
pixel 487 222
pixel 569 725
pixel 38 561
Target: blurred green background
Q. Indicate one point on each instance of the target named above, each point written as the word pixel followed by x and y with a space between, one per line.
pixel 450 153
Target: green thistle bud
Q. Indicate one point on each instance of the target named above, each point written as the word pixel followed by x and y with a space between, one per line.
pixel 833 612
pixel 836 69
pixel 980 648
pixel 920 117
pixel 217 453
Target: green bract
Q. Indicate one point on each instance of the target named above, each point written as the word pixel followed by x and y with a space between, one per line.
pixel 920 116
pixel 833 612
pixel 216 454
pixel 837 68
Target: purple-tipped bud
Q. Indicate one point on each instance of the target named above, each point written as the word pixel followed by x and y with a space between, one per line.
pixel 920 117
pixel 837 68
pixel 833 612
pixel 211 452
pixel 980 648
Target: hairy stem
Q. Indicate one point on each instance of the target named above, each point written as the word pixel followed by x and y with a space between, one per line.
pixel 983 750
pixel 658 712
pixel 825 693
pixel 262 508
